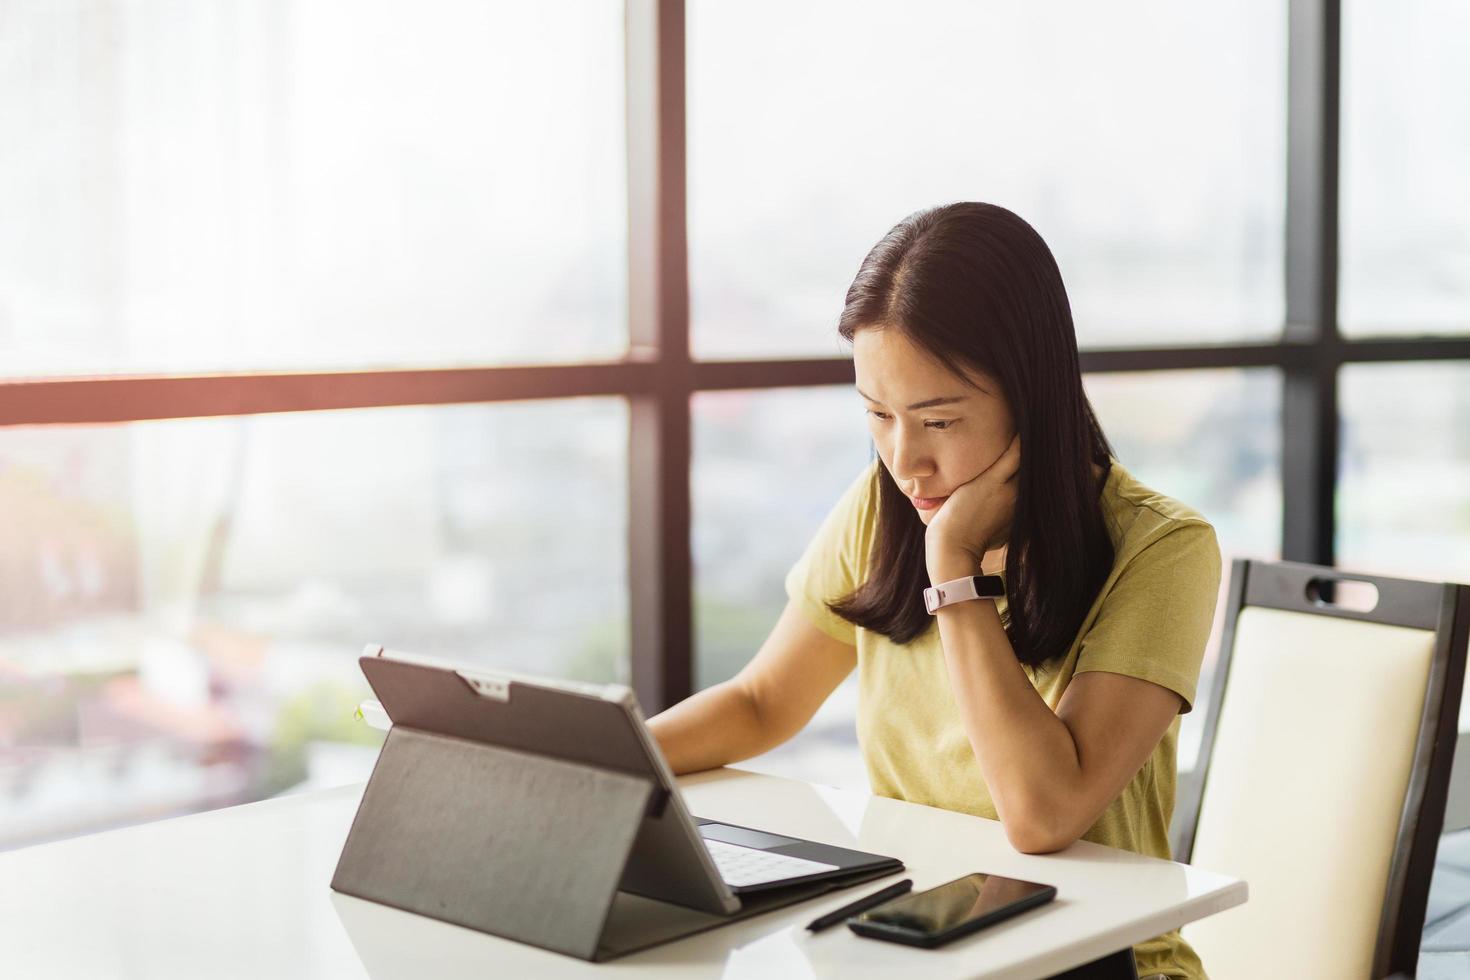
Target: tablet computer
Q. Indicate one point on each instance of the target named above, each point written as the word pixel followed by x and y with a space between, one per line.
pixel 701 864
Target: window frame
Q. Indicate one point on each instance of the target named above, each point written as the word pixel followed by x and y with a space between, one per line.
pixel 659 377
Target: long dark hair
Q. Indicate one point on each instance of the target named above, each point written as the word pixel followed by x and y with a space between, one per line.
pixel 975 286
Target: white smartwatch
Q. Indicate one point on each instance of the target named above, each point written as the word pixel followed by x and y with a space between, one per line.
pixel 938 596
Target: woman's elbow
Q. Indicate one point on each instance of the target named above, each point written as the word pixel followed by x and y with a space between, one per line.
pixel 1037 836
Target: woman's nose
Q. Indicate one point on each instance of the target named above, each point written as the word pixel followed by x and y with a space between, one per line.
pixel 909 460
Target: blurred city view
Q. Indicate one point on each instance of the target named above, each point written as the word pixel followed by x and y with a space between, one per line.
pixel 184 602
pixel 345 187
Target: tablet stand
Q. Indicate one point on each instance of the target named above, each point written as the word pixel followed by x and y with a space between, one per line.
pixel 518 845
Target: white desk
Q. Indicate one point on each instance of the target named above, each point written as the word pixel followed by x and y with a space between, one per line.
pixel 243 892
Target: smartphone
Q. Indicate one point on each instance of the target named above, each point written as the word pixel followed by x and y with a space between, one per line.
pixel 956 908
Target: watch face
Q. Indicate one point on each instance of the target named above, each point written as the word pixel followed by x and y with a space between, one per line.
pixel 990 586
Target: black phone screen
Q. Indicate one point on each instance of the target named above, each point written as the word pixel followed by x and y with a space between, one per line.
pixel 945 907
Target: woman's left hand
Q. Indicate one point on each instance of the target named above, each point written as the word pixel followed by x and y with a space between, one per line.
pixel 977 516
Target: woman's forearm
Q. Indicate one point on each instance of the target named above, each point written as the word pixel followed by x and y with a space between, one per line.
pixel 1026 753
pixel 717 726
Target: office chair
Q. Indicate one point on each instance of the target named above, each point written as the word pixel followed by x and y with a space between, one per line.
pixel 1323 770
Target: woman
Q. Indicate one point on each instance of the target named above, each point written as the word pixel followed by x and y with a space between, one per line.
pixel 1055 707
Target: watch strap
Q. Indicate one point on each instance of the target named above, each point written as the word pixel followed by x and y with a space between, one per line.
pixel 936 597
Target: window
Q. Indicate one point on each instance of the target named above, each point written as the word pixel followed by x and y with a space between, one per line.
pixel 342 201
pixel 1402 503
pixel 310 185
pixel 1150 161
pixel 185 601
pixel 776 460
pixel 1406 150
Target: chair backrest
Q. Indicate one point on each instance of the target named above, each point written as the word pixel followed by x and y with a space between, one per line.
pixel 1323 770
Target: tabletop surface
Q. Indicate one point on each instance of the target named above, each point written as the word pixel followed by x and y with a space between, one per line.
pixel 244 892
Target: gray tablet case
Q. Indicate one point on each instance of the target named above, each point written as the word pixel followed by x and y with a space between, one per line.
pixel 460 821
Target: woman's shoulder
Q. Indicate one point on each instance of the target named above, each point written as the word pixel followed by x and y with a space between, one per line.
pixel 1138 516
pixel 851 521
pixel 860 499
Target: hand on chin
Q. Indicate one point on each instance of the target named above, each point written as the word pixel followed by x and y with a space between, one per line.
pixel 975 517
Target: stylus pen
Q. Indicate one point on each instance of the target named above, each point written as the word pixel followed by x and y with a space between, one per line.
pixel 861 905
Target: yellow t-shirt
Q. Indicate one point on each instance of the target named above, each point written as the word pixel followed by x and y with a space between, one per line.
pixel 1151 620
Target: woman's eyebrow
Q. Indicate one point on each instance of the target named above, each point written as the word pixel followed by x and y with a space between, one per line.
pixel 928 403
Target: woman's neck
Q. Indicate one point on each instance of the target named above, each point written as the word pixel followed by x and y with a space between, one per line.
pixel 995 561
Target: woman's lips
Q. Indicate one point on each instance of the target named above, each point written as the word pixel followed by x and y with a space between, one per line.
pixel 928 503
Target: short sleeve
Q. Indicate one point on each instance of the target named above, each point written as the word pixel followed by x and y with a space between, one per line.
pixel 1155 620
pixel 835 560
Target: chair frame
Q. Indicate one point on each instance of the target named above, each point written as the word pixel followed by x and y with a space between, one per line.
pixel 1441 607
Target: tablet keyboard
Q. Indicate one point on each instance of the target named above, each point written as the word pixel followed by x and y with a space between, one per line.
pixel 749 866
